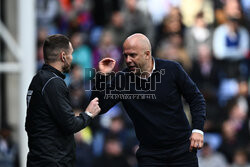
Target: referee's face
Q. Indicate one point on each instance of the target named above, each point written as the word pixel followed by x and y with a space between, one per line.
pixel 68 60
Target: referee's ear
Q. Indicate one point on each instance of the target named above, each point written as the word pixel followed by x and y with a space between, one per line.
pixel 62 56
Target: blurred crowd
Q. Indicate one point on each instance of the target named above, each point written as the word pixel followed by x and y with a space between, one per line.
pixel 209 38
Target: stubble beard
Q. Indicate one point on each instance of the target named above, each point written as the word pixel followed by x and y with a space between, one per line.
pixel 66 67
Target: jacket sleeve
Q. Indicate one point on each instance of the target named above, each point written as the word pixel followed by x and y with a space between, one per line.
pixel 56 97
pixel 193 96
pixel 102 89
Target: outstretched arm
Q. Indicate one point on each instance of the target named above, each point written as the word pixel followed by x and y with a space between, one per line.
pixel 101 86
pixel 55 96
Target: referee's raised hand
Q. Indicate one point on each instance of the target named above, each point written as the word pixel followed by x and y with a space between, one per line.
pixel 93 108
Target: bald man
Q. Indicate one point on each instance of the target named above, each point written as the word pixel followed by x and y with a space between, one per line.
pixel 151 91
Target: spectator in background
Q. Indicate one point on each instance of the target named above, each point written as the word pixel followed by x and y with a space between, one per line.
pixel 230 45
pixel 107 48
pixel 117 27
pixel 8 149
pixel 228 89
pixel 210 158
pixel 243 101
pixel 84 156
pixel 246 12
pixel 161 9
pixel 115 128
pixel 173 49
pixel 82 54
pixel 47 12
pixel 190 8
pixel 206 74
pixel 240 159
pixel 171 25
pixel 136 21
pixel 234 134
pixel 77 94
pixel 75 16
pixel 113 154
pixel 229 143
pixel 205 71
pixel 232 87
pixel 231 40
pixel 41 35
pixel 225 9
pixel 197 34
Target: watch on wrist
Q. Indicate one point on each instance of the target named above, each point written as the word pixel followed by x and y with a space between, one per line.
pixel 89 114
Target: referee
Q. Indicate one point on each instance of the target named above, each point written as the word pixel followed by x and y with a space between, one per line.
pixel 50 121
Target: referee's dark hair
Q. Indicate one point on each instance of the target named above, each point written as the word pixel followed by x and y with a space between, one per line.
pixel 53 46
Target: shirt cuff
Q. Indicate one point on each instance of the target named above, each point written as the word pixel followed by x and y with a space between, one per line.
pixel 197 131
pixel 89 114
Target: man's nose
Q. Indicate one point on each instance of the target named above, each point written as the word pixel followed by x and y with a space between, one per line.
pixel 128 59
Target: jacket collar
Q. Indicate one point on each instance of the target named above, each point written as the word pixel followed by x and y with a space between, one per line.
pixel 53 70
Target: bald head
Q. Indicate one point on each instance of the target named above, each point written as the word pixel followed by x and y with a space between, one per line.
pixel 138 40
pixel 137 53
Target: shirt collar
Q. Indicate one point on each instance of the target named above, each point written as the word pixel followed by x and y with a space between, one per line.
pixel 151 71
pixel 53 70
pixel 153 65
pixel 158 64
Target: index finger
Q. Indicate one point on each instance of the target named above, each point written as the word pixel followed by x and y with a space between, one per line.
pixel 96 99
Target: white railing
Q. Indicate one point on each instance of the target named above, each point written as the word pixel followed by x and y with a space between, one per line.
pixel 23 50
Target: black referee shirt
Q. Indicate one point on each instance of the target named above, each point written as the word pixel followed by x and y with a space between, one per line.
pixel 50 122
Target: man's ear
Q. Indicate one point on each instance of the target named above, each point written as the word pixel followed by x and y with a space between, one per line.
pixel 63 56
pixel 147 53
